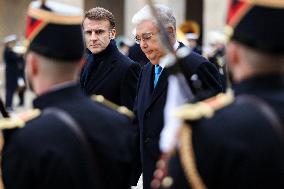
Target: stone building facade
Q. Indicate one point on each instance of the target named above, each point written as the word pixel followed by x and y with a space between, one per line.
pixel 12 14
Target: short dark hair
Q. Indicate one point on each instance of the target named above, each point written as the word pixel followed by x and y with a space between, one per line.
pixel 99 13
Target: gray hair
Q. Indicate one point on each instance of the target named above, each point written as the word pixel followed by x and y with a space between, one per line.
pixel 165 15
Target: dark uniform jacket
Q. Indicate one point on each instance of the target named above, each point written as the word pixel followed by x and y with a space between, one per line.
pixel 12 69
pixel 112 75
pixel 46 154
pixel 239 147
pixel 150 103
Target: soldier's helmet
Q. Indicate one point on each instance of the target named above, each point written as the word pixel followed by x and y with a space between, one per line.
pixel 54 30
pixel 257 24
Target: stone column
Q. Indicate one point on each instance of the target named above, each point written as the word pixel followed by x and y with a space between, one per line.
pixel 214 17
pixel 131 7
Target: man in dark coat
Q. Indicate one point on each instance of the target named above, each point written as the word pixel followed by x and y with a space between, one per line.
pixel 153 83
pixel 12 71
pixel 71 141
pixel 107 71
pixel 241 146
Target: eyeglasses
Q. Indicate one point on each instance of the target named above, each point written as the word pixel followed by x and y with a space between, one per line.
pixel 145 37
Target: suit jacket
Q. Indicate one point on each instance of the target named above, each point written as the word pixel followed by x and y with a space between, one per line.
pixel 46 154
pixel 239 147
pixel 115 77
pixel 150 102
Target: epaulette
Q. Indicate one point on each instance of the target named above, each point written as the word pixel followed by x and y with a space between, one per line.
pixel 18 120
pixel 205 108
pixel 121 109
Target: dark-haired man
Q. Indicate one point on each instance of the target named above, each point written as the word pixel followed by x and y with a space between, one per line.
pixel 107 71
pixel 68 141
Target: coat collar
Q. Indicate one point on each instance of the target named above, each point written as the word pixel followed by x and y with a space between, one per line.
pixel 106 64
pixel 56 95
pixel 259 84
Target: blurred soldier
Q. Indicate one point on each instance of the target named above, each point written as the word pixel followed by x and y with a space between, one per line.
pixel 21 84
pixel 216 55
pixel 107 71
pixel 192 42
pixel 241 146
pixel 68 141
pixel 191 31
pixel 11 59
pixel 153 82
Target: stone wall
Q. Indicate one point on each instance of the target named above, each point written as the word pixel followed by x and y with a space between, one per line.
pixel 12 14
pixel 214 16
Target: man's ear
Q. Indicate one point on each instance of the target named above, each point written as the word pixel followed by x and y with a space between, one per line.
pixel 112 33
pixel 170 30
pixel 233 54
pixel 32 64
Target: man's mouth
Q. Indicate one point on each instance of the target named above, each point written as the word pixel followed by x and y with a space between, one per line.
pixel 149 52
pixel 95 45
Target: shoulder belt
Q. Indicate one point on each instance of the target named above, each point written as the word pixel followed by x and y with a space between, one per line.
pixel 192 112
pixel 187 158
pixel 121 109
pixel 205 108
pixel 19 120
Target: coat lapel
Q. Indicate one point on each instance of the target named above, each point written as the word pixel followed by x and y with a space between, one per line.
pixel 150 95
pixel 161 86
pixel 148 87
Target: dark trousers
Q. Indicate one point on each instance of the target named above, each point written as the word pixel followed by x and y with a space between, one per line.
pixel 9 97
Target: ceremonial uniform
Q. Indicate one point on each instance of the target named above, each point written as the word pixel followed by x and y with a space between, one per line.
pixel 239 147
pixel 47 154
pixel 237 142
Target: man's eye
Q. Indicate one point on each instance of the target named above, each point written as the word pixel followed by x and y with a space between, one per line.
pixel 99 32
pixel 147 36
pixel 88 32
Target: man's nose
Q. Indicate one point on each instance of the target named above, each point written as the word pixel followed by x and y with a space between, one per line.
pixel 143 44
pixel 94 36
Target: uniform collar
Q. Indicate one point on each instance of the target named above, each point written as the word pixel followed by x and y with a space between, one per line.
pixel 57 94
pixel 260 84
